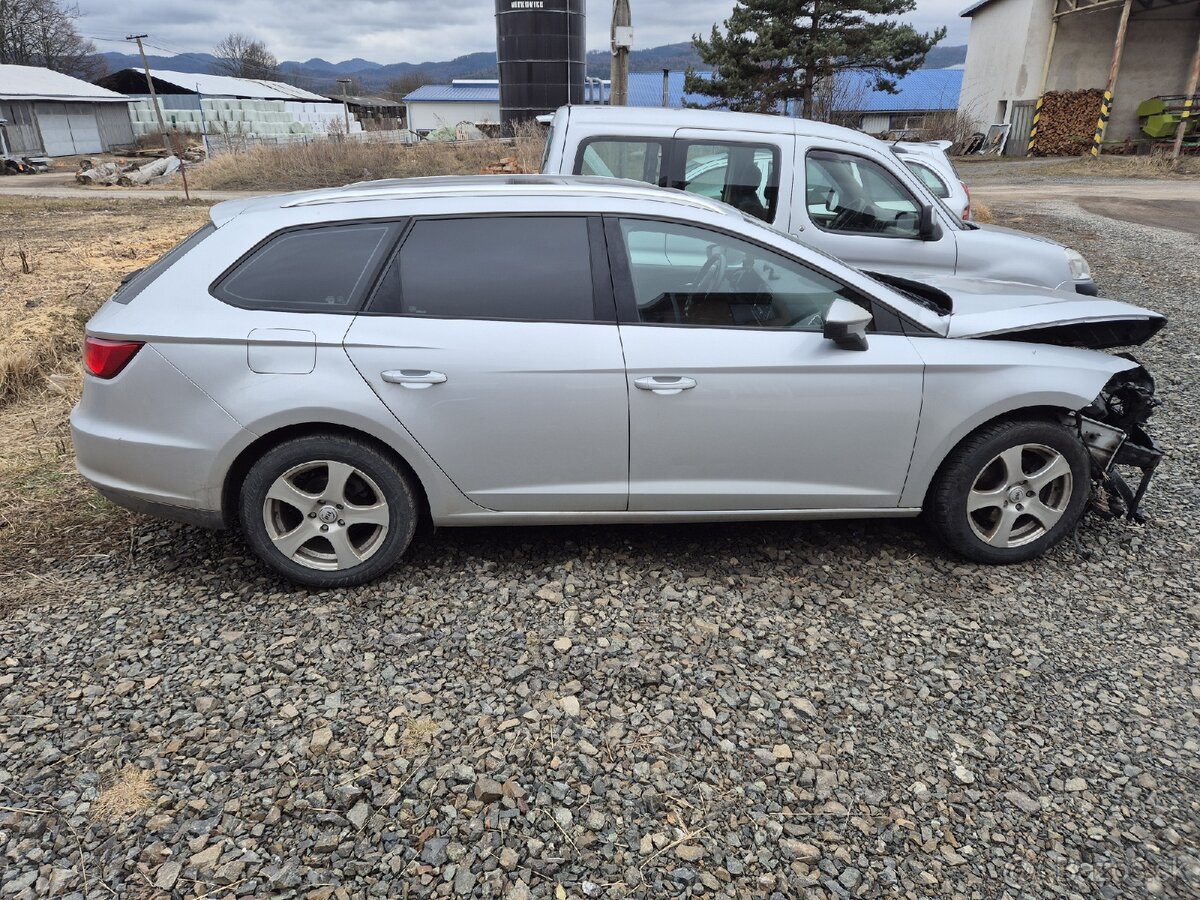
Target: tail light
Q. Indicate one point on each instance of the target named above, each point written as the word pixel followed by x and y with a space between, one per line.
pixel 967 211
pixel 104 358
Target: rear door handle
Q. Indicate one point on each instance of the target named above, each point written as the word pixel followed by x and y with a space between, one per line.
pixel 665 384
pixel 414 379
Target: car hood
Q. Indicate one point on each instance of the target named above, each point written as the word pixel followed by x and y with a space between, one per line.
pixel 979 308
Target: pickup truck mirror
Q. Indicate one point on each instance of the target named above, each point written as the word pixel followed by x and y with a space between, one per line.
pixel 846 325
pixel 927 226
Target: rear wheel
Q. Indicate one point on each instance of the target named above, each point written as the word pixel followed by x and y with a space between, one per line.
pixel 1011 491
pixel 327 511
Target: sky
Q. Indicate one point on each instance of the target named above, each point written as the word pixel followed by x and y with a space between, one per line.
pixel 389 31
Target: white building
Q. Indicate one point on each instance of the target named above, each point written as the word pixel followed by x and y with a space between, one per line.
pixel 1020 49
pixel 51 114
pixel 432 106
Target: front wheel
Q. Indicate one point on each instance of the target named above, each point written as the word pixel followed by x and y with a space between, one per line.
pixel 1011 491
pixel 327 511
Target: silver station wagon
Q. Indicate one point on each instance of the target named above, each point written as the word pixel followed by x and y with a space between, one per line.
pixel 324 369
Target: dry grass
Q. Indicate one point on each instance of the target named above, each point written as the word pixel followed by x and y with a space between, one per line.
pixel 131 792
pixel 981 213
pixel 1156 165
pixel 59 260
pixel 329 163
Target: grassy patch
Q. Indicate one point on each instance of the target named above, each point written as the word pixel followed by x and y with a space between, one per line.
pixel 59 260
pixel 329 163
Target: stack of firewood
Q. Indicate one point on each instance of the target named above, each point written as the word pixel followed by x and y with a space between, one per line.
pixel 507 165
pixel 1067 123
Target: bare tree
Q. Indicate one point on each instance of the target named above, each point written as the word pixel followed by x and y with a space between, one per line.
pixel 243 57
pixel 42 33
pixel 400 87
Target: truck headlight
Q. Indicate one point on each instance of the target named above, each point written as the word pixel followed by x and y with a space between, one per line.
pixel 1080 270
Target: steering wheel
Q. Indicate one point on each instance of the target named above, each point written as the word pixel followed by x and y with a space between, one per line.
pixel 712 273
pixel 845 212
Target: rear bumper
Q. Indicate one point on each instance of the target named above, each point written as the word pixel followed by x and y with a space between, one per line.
pixel 150 440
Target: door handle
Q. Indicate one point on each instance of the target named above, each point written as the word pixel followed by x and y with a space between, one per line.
pixel 413 379
pixel 665 384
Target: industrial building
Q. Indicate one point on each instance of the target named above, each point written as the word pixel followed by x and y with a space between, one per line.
pixel 919 99
pixel 51 114
pixel 433 106
pixel 224 105
pixel 1020 49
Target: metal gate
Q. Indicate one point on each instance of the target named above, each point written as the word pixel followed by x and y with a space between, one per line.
pixel 1022 121
pixel 68 128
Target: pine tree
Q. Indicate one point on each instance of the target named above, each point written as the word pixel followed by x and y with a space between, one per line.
pixel 774 51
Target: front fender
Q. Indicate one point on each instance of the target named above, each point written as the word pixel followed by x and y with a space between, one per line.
pixel 971 382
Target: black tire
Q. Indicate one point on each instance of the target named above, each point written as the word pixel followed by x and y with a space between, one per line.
pixel 308 465
pixel 976 464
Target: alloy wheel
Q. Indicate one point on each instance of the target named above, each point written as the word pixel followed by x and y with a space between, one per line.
pixel 1020 495
pixel 326 514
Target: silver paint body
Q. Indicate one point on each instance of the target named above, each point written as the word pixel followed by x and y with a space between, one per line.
pixel 545 422
pixel 977 251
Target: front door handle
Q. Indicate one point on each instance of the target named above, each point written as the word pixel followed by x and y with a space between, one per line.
pixel 665 384
pixel 414 379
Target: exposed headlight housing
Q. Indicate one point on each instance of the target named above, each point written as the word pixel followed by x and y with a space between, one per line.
pixel 1080 270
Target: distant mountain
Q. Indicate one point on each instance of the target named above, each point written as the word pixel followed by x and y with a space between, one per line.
pixel 321 76
pixel 945 57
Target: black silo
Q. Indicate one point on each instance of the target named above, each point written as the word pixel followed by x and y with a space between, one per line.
pixel 540 49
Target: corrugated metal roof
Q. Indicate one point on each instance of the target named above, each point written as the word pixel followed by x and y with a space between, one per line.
pixel 36 83
pixel 924 89
pixel 455 93
pixel 228 86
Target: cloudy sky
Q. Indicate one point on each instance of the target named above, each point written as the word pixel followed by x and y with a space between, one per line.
pixel 389 31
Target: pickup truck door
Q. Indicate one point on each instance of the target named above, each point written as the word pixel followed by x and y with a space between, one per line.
pixel 856 207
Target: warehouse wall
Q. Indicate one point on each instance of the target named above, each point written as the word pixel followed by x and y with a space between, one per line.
pixel 428 116
pixel 1005 53
pixel 1007 50
pixel 116 131
pixel 1158 48
pixel 22 133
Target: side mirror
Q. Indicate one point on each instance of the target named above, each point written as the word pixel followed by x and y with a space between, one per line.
pixel 927 226
pixel 846 325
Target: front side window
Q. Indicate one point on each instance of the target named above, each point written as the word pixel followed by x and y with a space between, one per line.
pixel 683 275
pixel 529 268
pixel 854 195
pixel 929 178
pixel 326 269
pixel 742 175
pixel 621 158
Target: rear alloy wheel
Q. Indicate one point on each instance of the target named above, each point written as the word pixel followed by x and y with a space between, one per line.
pixel 327 511
pixel 1011 491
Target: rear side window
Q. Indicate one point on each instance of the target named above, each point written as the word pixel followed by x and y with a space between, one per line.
pixel 136 282
pixel 929 178
pixel 529 268
pixel 621 158
pixel 325 269
pixel 742 175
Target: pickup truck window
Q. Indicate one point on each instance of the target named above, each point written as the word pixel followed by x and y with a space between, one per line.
pixel 850 194
pixel 621 158
pixel 742 175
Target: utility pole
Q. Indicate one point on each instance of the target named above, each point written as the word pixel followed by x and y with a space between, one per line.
pixel 162 124
pixel 1188 104
pixel 622 40
pixel 345 83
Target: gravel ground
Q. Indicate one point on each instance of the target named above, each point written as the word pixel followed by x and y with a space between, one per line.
pixel 736 711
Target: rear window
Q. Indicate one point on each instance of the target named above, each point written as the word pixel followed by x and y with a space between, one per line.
pixel 534 269
pixel 929 178
pixel 137 281
pixel 323 269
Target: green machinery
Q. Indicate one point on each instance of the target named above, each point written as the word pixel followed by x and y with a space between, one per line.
pixel 1160 116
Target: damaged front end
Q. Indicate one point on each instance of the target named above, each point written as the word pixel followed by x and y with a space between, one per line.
pixel 1112 427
